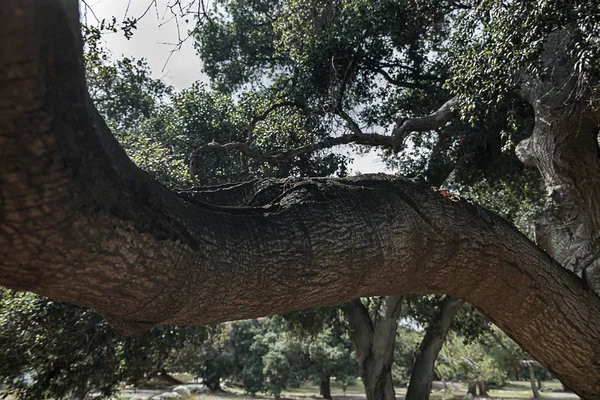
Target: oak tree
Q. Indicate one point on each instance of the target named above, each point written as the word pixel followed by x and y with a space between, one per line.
pixel 80 223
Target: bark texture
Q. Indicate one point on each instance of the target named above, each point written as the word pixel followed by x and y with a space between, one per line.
pixel 564 148
pixel 421 377
pixel 80 223
pixel 374 341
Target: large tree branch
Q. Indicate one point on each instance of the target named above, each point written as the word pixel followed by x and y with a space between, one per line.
pixel 80 223
pixel 439 118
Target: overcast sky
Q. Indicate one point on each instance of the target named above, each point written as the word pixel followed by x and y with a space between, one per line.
pixel 153 40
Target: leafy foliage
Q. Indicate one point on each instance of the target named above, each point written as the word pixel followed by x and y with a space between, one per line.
pixel 52 349
pixel 497 44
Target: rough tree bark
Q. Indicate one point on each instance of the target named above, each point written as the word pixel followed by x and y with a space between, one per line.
pixel 482 388
pixel 374 342
pixel 80 223
pixel 421 377
pixel 564 148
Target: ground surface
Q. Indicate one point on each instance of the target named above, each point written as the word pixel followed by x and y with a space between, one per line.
pixel 514 390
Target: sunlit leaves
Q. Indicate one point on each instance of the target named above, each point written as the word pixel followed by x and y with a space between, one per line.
pixel 497 45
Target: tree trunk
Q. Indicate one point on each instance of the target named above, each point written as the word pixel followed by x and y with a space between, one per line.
pixel 214 385
pixel 564 148
pixel 374 343
pixel 80 223
pixel 482 389
pixel 472 388
pixel 531 370
pixel 421 377
pixel 325 387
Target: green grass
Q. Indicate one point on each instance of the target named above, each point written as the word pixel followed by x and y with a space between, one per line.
pixel 514 390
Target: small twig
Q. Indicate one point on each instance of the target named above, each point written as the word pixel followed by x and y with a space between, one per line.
pixel 88 7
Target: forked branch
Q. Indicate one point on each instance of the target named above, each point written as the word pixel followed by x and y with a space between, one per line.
pixel 369 139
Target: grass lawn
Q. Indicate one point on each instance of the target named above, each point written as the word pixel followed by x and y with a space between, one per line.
pixel 514 390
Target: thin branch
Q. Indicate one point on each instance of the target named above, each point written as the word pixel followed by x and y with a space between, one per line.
pixel 369 139
pixel 405 126
pixel 88 7
pixel 352 125
pixel 152 3
pixel 394 81
pixel 261 117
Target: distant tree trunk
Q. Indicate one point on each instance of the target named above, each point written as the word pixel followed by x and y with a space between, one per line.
pixel 325 387
pixel 472 388
pixel 536 394
pixel 422 373
pixel 482 388
pixel 374 343
pixel 214 385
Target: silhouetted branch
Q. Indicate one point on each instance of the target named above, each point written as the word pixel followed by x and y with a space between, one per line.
pixel 369 139
pixel 261 117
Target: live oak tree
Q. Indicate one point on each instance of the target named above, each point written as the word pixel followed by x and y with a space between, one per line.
pixel 59 350
pixel 81 224
pixel 323 61
pixel 352 65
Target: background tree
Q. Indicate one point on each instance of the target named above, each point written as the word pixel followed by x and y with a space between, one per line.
pixel 67 352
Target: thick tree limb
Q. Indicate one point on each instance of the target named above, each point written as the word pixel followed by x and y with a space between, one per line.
pixel 80 223
pixel 406 126
pixel 563 147
pixel 374 342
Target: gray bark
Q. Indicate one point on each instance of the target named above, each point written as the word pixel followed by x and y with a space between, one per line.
pixel 564 148
pixel 530 365
pixel 421 378
pixel 374 342
pixel 534 390
pixel 482 388
pixel 472 388
pixel 80 223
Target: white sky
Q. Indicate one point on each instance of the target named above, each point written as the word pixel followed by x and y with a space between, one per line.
pixel 153 40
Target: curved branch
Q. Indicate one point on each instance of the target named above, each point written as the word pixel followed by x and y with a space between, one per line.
pixel 261 117
pixel 396 82
pixel 369 139
pixel 80 223
pixel 406 126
